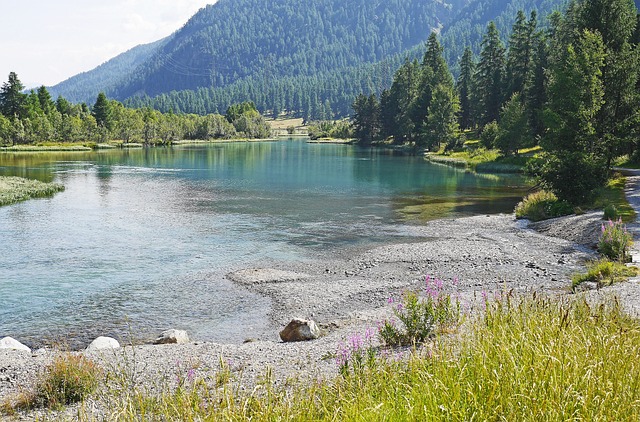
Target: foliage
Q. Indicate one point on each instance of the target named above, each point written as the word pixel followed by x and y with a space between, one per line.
pixel 421 315
pixel 573 176
pixel 366 119
pixel 330 129
pixel 613 194
pixel 604 273
pixel 615 241
pixel 610 212
pixel 109 120
pixel 489 135
pixel 16 189
pixel 68 379
pixel 542 205
pixel 513 131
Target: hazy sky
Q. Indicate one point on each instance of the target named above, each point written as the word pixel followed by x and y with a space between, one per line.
pixel 47 41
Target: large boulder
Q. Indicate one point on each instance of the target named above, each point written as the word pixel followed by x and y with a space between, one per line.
pixel 172 337
pixel 103 343
pixel 300 330
pixel 13 344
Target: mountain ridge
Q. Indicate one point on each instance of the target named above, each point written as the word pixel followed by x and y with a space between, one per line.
pixel 312 60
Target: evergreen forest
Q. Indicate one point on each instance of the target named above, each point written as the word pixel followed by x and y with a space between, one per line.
pixel 572 88
pixel 309 59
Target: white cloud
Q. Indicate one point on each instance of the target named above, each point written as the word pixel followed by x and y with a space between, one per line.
pixel 47 41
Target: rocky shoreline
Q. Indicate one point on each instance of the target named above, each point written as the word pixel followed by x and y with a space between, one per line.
pixel 348 294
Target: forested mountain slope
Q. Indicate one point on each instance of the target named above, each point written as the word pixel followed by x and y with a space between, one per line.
pixel 86 86
pixel 311 57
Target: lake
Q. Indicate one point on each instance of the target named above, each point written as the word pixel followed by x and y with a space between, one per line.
pixel 141 239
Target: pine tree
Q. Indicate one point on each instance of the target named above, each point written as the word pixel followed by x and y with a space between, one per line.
pixel 434 71
pixel 520 52
pixel 464 88
pixel 536 86
pixel 12 100
pixel 441 123
pixel 403 93
pixel 366 119
pixel 616 21
pixel 102 111
pixel 490 76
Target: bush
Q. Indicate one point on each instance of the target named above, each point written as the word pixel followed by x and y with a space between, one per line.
pixel 605 273
pixel 572 176
pixel 421 317
pixel 615 241
pixel 542 205
pixel 610 212
pixel 489 135
pixel 69 379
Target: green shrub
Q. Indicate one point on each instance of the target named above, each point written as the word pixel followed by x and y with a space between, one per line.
pixel 542 205
pixel 489 135
pixel 615 241
pixel 69 379
pixel 605 273
pixel 421 317
pixel 610 212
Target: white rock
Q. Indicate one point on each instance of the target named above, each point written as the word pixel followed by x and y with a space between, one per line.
pixel 13 344
pixel 103 343
pixel 300 330
pixel 172 337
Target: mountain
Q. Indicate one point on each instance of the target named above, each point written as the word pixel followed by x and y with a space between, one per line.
pixel 86 86
pixel 307 56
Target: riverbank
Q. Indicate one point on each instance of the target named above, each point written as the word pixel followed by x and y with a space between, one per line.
pixel 347 295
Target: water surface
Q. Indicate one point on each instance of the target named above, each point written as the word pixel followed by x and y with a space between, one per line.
pixel 140 240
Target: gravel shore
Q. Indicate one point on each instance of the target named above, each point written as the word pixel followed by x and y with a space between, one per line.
pixel 346 295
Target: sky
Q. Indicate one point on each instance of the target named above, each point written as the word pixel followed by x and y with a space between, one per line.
pixel 48 41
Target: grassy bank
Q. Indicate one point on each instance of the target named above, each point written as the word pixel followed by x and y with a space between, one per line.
pixel 46 148
pixel 521 359
pixel 483 160
pixel 538 359
pixel 16 189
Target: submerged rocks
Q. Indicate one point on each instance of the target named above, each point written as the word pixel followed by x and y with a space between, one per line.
pixel 13 344
pixel 103 343
pixel 300 330
pixel 172 337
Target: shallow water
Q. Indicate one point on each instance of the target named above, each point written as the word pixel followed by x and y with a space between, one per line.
pixel 140 240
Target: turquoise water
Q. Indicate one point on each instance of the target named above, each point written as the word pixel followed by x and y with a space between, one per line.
pixel 140 240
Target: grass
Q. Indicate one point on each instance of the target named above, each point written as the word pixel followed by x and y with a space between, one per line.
pixel 542 205
pixel 483 160
pixel 531 359
pixel 604 273
pixel 16 189
pixel 613 195
pixel 45 148
pixel 69 379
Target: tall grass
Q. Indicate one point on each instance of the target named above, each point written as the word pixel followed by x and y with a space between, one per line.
pixel 532 359
pixel 68 379
pixel 16 189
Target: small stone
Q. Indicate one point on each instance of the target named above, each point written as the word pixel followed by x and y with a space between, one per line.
pixel 300 330
pixel 172 337
pixel 103 343
pixel 13 344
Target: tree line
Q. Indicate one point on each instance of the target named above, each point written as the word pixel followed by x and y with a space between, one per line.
pixel 572 88
pixel 28 118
